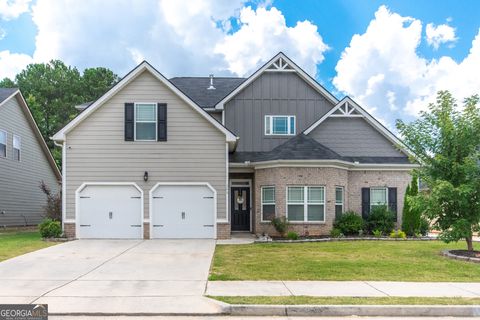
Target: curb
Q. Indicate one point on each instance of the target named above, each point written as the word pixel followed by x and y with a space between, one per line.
pixel 346 239
pixel 355 310
pixel 450 255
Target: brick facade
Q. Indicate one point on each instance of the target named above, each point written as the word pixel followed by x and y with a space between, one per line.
pixel 146 230
pixel 69 230
pixel 223 230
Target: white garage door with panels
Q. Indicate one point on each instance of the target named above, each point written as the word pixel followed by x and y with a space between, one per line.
pixel 109 211
pixel 183 211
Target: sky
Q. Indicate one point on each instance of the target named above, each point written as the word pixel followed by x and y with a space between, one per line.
pixel 390 56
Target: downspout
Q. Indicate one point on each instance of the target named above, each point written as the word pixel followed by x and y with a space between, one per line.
pixel 64 180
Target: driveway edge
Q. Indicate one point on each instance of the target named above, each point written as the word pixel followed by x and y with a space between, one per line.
pixel 355 310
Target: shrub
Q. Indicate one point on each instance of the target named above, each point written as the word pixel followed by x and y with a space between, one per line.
pixel 280 224
pixel 381 219
pixel 377 233
pixel 424 227
pixel 53 208
pixel 292 235
pixel 336 233
pixel 349 223
pixel 399 234
pixel 50 228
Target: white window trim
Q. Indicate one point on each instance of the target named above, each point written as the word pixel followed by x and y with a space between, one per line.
pixel 135 121
pixel 6 143
pixel 270 124
pixel 343 198
pixel 262 203
pixel 19 149
pixel 306 203
pixel 386 196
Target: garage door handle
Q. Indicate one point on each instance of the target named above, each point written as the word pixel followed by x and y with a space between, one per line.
pixel 85 225
pixel 207 197
pixel 135 225
pixel 208 225
pixel 135 197
pixel 157 225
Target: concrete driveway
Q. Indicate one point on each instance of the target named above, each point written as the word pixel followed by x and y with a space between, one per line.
pixel 113 277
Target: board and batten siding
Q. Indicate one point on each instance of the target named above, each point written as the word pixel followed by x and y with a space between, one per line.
pixel 21 200
pixel 194 152
pixel 272 93
pixel 354 137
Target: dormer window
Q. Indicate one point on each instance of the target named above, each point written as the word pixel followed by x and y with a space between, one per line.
pixel 280 125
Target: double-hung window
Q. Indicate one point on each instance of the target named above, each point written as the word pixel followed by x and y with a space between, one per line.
pixel 378 197
pixel 145 121
pixel 280 125
pixel 268 203
pixel 3 144
pixel 306 204
pixel 338 202
pixel 17 145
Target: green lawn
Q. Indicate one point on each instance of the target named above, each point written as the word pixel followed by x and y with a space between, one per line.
pixel 349 300
pixel 356 260
pixel 15 243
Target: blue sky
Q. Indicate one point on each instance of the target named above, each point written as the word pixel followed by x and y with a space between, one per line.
pixel 391 56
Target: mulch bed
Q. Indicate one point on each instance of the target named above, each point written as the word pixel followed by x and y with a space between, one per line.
pixel 472 256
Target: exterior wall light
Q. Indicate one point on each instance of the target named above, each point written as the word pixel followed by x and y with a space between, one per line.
pixel 145 176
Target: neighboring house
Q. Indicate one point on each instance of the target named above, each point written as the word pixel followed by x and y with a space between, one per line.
pixel 203 157
pixel 25 162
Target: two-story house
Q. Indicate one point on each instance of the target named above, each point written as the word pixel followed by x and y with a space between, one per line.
pixel 200 157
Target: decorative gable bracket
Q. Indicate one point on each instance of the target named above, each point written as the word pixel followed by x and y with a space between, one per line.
pixel 280 65
pixel 346 110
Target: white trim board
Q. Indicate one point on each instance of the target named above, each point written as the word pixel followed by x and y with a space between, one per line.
pixel 364 114
pixel 144 66
pixel 294 68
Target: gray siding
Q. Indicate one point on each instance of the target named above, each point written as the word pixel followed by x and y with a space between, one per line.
pixel 96 150
pixel 273 93
pixel 354 137
pixel 216 115
pixel 20 196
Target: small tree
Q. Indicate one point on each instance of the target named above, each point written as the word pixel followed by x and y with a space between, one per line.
pixel 446 141
pixel 53 208
pixel 412 216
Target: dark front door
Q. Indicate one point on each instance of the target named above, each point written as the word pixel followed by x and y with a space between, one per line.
pixel 240 206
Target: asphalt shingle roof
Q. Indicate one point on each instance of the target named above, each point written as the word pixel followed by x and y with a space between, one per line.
pixel 303 147
pixel 196 88
pixel 6 92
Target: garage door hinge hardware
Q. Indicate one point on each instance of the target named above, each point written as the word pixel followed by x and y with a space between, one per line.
pixel 85 225
pixel 157 197
pixel 207 197
pixel 135 225
pixel 135 197
pixel 158 225
pixel 208 225
pixel 84 197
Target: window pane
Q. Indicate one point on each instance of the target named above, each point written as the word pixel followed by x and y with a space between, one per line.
pixel 3 137
pixel 315 194
pixel 268 195
pixel 378 196
pixel 16 154
pixel 338 211
pixel 315 212
pixel 292 125
pixel 146 112
pixel 3 144
pixel 295 194
pixel 3 150
pixel 295 212
pixel 16 142
pixel 339 195
pixel 268 212
pixel 146 131
pixel 267 125
pixel 280 125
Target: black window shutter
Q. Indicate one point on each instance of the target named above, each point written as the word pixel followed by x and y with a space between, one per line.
pixel 129 121
pixel 365 202
pixel 161 122
pixel 392 201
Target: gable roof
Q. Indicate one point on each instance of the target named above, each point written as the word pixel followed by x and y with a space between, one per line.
pixel 279 63
pixel 144 66
pixel 196 88
pixel 9 93
pixel 347 108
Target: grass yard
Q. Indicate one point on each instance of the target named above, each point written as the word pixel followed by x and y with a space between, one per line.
pixel 356 260
pixel 15 243
pixel 349 300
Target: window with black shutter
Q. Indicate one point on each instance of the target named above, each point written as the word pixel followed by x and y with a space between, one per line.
pixel 162 122
pixel 129 121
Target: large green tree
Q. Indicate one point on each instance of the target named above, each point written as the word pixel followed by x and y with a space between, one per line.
pixel 53 89
pixel 446 139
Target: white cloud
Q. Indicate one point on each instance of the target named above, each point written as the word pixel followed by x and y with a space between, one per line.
pixel 382 70
pixel 3 33
pixel 263 33
pixel 437 35
pixel 11 9
pixel 12 63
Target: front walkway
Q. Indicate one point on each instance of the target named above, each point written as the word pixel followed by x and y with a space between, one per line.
pixel 343 289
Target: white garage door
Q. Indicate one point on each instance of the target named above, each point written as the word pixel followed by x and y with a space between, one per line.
pixel 110 211
pixel 182 211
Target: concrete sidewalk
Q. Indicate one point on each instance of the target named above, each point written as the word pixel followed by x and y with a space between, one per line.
pixel 343 289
